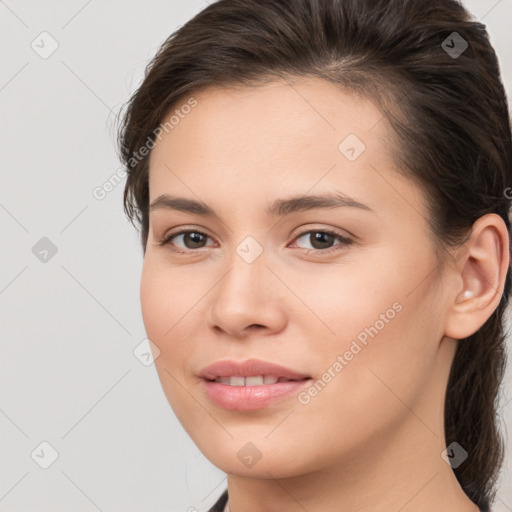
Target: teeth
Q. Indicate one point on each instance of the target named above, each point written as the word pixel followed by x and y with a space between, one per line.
pixel 256 380
pixel 236 381
pixel 253 381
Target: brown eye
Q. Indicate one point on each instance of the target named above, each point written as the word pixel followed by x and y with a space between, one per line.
pixel 191 240
pixel 322 240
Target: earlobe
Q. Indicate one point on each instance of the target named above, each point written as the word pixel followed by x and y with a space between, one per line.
pixel 466 294
pixel 482 270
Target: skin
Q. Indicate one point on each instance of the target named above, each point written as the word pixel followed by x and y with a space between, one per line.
pixel 372 439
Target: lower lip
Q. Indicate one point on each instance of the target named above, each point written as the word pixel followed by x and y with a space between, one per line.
pixel 250 398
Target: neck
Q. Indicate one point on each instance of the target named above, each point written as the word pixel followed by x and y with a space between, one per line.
pixel 409 477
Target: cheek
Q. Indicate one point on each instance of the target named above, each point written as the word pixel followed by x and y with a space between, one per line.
pixel 167 297
pixel 342 300
pixel 154 301
pixel 163 300
pixel 367 388
pixel 164 304
pixel 385 333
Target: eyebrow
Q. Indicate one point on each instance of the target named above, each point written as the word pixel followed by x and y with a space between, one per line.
pixel 279 207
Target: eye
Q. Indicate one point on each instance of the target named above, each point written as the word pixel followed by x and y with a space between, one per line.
pixel 194 239
pixel 322 238
pixel 191 237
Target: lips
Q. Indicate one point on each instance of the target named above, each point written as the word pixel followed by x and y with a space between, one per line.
pixel 249 368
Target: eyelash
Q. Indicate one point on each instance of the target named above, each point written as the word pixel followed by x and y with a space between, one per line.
pixel 344 241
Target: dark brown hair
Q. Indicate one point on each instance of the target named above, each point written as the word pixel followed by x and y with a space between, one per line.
pixel 451 131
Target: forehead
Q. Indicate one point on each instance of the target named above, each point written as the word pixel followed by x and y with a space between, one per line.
pixel 268 123
pixel 274 115
pixel 274 138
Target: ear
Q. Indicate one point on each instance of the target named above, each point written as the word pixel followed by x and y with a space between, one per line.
pixel 479 277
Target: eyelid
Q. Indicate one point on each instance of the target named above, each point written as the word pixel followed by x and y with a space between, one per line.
pixel 328 229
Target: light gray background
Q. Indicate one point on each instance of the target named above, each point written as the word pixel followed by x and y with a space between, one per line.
pixel 68 374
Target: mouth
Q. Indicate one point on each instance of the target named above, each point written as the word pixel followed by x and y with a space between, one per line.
pixel 254 380
pixel 243 394
pixel 250 385
pixel 252 372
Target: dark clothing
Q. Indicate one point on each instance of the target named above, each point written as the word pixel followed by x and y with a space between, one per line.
pixel 221 503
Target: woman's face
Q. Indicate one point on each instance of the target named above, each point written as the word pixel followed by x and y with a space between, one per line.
pixel 362 316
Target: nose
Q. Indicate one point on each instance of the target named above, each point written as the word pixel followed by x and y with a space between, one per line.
pixel 247 298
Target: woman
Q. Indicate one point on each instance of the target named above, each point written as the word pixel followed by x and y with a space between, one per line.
pixel 323 188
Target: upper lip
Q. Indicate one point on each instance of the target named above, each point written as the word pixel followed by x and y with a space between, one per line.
pixel 249 368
